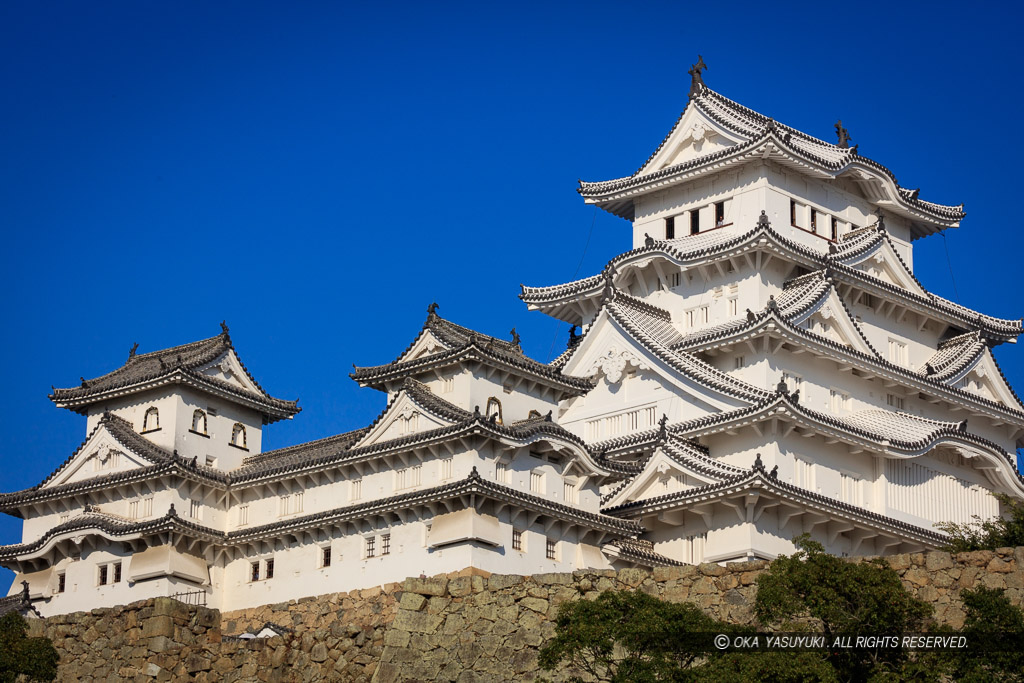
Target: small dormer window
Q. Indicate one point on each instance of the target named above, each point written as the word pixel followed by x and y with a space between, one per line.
pixel 199 422
pixel 494 410
pixel 238 435
pixel 151 420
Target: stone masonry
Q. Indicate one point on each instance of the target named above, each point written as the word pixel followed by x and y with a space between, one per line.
pixel 465 627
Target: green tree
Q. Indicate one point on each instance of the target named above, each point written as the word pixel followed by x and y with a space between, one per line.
pixel 988 534
pixel 822 592
pixel 990 619
pixel 19 654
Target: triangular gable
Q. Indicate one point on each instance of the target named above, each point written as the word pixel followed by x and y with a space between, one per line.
pixel 984 378
pixel 661 474
pixel 694 135
pixel 608 352
pixel 882 262
pixel 100 455
pixel 402 417
pixel 829 318
pixel 228 368
pixel 426 344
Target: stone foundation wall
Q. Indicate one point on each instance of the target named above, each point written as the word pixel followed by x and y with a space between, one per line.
pixel 465 627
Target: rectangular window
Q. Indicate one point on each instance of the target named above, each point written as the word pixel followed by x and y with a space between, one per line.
pixel 147 507
pixel 851 490
pixel 269 569
pixel 792 212
pixel 691 318
pixel 415 475
pixel 283 504
pixel 325 556
pixel 517 540
pixel 385 544
pixel 705 314
pixel 898 352
pixel 840 402
pixel 371 546
pixel 102 579
pixel 62 582
pixel 133 510
pixel 719 214
pixel 297 502
pixel 814 220
pixel 793 382
pixel 675 279
pixel 734 307
pixel 670 228
pixel 569 491
pixel 64 518
pixel 356 489
pixel 694 222
pixel 446 468
pixel 536 482
pixel 243 514
pixel 894 401
pixel 195 510
pixel 400 479
pixel 254 571
pixel 447 385
pixel 740 361
pixel 117 572
pixel 804 474
pixel 550 548
pixel 501 472
pixel 835 228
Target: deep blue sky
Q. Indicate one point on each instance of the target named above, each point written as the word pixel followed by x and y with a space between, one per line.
pixel 317 173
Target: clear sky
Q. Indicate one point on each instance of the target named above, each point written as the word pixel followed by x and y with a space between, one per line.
pixel 318 173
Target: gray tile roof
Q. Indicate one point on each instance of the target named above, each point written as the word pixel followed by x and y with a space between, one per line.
pixel 755 129
pixel 184 360
pixel 642 552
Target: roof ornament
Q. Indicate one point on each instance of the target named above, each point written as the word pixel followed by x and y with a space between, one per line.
pixel 697 86
pixel 572 336
pixel 782 389
pixel 131 351
pixel 224 327
pixel 795 397
pixel 547 418
pixel 515 337
pixel 648 240
pixel 774 474
pixel 432 310
pixel 476 412
pixel 171 512
pixel 772 304
pixel 84 383
pixel 762 220
pixel 25 599
pixel 880 219
pixel 914 193
pixel 758 465
pixel 750 316
pixel 663 425
pixel 770 126
pixel 843 135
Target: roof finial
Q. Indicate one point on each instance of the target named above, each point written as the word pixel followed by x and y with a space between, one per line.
pixel 515 336
pixel 843 135
pixel 25 597
pixel 84 383
pixel 782 388
pixel 432 309
pixel 171 512
pixel 697 86
pixel 774 474
pixel 750 316
pixel 572 336
pixel 762 220
pixel 663 425
pixel 131 351
pixel 224 326
pixel 758 465
pixel 880 218
pixel 648 240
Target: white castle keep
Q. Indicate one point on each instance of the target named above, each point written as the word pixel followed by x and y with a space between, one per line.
pixel 761 363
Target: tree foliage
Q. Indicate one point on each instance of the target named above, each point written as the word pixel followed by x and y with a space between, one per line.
pixel 19 654
pixel 988 534
pixel 631 636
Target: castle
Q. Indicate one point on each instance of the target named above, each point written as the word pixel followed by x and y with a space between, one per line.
pixel 761 363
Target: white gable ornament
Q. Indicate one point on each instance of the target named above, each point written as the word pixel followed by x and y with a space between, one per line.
pixel 613 364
